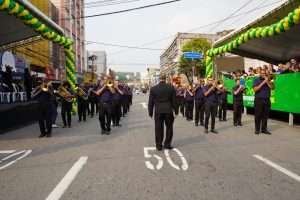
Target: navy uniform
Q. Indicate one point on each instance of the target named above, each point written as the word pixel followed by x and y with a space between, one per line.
pixel 262 104
pixel 117 98
pixel 162 100
pixel 189 104
pixel 82 104
pixel 211 104
pixel 92 101
pixel 199 105
pixel 238 105
pixel 180 99
pixel 222 98
pixel 105 98
pixel 45 112
pixel 66 109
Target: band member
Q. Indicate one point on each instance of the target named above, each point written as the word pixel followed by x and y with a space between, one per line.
pixel 92 100
pixel 189 103
pixel 105 97
pixel 262 87
pixel 211 104
pixel 82 103
pixel 67 96
pixel 116 116
pixel 238 105
pixel 162 100
pixel 42 94
pixel 125 100
pixel 199 103
pixel 222 101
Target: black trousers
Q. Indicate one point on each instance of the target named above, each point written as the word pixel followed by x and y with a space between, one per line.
pixel 66 109
pixel 82 109
pixel 28 94
pixel 210 111
pixel 45 122
pixel 238 108
pixel 124 102
pixel 222 110
pixel 105 112
pixel 116 114
pixel 189 108
pixel 199 111
pixel 261 109
pixel 181 105
pixel 162 119
pixel 92 106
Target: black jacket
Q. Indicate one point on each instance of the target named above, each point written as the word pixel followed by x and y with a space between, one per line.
pixel 162 98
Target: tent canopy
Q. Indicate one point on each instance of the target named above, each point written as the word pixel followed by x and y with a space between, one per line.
pixel 14 30
pixel 276 49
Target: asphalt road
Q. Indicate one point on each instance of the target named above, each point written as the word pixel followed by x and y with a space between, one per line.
pixel 80 163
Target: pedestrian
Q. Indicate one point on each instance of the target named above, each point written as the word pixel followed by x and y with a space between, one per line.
pixel 262 87
pixel 199 103
pixel 162 101
pixel 238 105
pixel 211 104
pixel 105 98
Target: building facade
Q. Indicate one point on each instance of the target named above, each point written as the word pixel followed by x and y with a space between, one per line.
pixel 70 19
pixel 100 62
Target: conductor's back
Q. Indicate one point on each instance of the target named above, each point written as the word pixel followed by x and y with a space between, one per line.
pixel 162 100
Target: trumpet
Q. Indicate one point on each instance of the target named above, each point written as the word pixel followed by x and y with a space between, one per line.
pixel 109 83
pixel 65 94
pixel 271 77
pixel 220 84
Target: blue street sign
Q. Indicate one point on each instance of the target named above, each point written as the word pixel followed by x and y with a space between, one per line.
pixel 192 55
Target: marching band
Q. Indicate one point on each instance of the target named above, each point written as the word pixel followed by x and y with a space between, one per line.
pixel 110 98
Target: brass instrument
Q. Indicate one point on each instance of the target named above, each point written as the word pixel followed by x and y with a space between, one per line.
pixel 271 77
pixel 82 93
pixel 220 84
pixel 65 94
pixel 44 87
pixel 109 83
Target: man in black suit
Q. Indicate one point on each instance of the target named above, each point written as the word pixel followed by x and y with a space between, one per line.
pixel 163 99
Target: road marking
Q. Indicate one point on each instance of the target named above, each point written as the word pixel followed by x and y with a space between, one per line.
pixel 25 153
pixel 278 167
pixel 144 105
pixel 7 151
pixel 148 164
pixel 184 166
pixel 63 185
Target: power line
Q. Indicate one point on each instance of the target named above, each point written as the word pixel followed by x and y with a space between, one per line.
pixel 122 11
pixel 122 46
pixel 232 14
pixel 202 26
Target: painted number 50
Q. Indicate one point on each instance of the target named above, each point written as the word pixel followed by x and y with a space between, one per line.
pixel 148 153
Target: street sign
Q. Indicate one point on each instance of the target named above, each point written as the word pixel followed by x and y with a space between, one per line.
pixel 192 55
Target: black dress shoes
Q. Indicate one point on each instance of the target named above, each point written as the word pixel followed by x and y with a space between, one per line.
pixel 169 147
pixel 206 131
pixel 214 131
pixel 267 132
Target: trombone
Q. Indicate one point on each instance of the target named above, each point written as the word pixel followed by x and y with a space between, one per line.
pixel 43 87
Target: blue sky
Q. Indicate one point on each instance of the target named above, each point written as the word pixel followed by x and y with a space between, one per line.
pixel 163 22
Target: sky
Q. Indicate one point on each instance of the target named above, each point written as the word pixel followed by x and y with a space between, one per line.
pixel 157 26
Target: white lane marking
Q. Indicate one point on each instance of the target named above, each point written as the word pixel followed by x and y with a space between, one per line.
pixel 63 185
pixel 148 164
pixel 7 151
pixel 278 167
pixel 144 105
pixel 12 155
pixel 170 160
pixel 184 165
pixel 26 153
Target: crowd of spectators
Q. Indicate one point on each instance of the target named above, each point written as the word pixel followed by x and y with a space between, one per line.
pixel 291 66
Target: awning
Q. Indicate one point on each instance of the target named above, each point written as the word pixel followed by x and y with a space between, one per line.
pixel 14 30
pixel 275 49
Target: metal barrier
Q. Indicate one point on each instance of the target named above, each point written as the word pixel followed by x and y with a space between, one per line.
pixel 12 97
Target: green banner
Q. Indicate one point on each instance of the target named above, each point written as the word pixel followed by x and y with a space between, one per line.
pixel 285 97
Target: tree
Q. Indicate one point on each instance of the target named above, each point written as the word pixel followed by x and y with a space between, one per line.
pixel 200 45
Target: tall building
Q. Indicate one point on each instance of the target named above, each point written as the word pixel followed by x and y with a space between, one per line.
pixel 100 62
pixel 70 19
pixel 170 57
